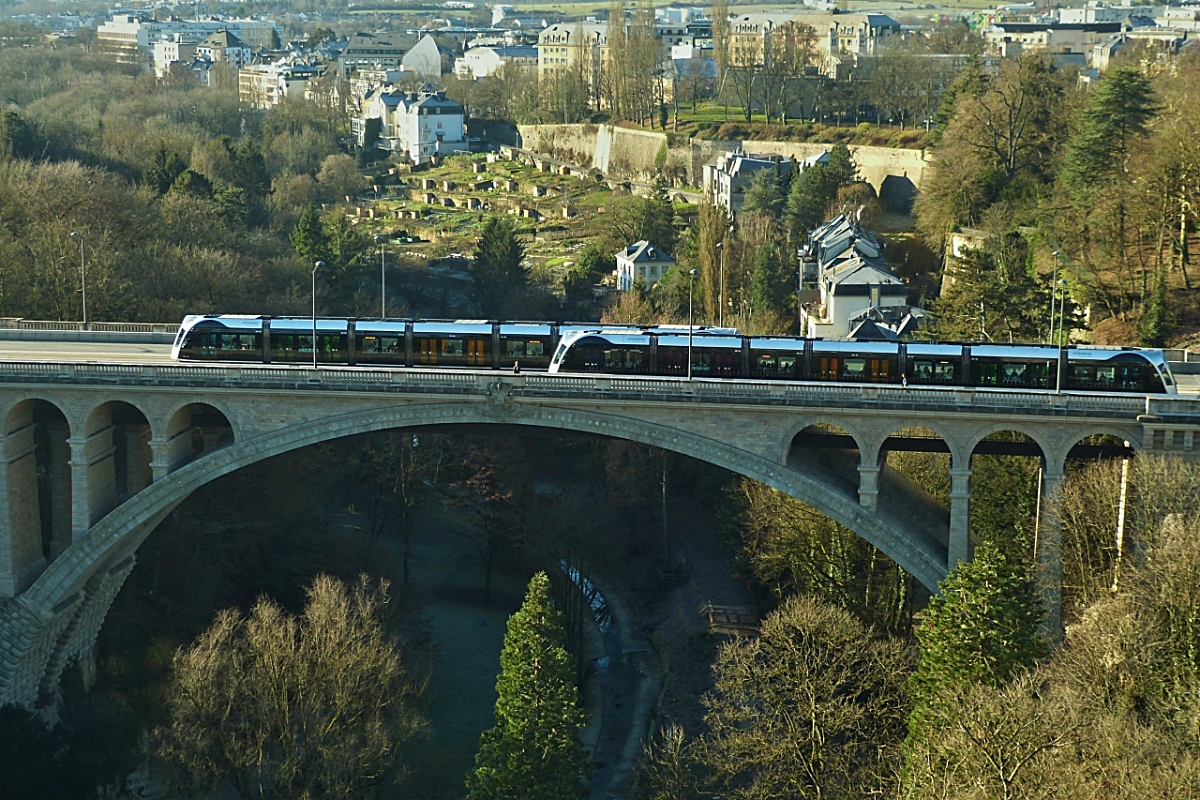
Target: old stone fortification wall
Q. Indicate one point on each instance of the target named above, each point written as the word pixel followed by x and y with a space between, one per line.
pixel 640 155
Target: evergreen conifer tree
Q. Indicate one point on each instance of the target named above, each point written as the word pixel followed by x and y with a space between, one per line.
pixel 981 629
pixel 764 195
pixel 1118 112
pixel 1156 318
pixel 497 270
pixel 308 238
pixel 771 283
pixel 533 752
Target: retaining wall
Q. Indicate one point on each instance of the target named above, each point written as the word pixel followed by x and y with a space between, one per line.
pixel 641 155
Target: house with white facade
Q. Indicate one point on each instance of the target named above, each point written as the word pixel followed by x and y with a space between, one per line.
pixel 482 62
pixel 851 277
pixel 224 46
pixel 424 59
pixel 727 180
pixel 641 261
pixel 174 48
pixel 416 125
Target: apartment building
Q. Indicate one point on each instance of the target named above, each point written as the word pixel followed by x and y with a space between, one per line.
pixel 834 35
pixel 567 44
pixel 368 51
pixel 130 39
pixel 266 85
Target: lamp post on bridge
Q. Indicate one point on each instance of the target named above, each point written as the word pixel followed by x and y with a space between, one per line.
pixel 382 242
pixel 1053 289
pixel 82 276
pixel 691 282
pixel 1062 311
pixel 316 267
pixel 721 284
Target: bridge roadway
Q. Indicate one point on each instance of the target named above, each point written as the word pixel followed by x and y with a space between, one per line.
pixel 101 441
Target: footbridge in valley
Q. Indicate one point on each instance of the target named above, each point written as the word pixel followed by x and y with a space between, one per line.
pixel 102 441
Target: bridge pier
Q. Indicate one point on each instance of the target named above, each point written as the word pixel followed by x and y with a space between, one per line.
pixel 160 459
pixel 1048 552
pixel 58 491
pixel 959 546
pixel 21 551
pixel 868 485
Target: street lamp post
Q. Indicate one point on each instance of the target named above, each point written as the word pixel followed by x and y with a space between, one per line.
pixel 1053 285
pixel 691 281
pixel 316 267
pixel 721 285
pixel 382 276
pixel 1062 311
pixel 82 277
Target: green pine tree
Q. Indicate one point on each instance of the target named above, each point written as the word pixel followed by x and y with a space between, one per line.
pixel 192 183
pixel 842 170
pixel 771 284
pixel 764 195
pixel 533 752
pixel 971 82
pixel 992 296
pixel 1117 113
pixel 982 628
pixel 163 169
pixel 1157 319
pixel 496 270
pixel 308 238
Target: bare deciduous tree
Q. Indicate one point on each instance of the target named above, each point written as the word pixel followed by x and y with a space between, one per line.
pixel 278 706
pixel 813 708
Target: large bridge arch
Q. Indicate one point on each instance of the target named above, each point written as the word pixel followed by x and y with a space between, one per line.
pixel 119 534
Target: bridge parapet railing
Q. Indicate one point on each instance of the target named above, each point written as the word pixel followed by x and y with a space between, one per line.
pixel 17 323
pixel 533 384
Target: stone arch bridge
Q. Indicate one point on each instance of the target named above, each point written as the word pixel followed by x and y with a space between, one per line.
pixel 95 455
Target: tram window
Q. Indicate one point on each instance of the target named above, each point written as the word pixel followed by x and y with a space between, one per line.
pixel 724 363
pixel 291 347
pixel 828 368
pixel 1114 377
pixel 714 363
pixel 934 372
pixel 773 365
pixel 525 347
pixel 582 359
pixel 452 352
pixel 672 360
pixel 623 360
pixel 378 344
pixel 372 349
pixel 223 345
pixel 863 369
pixel 1013 374
pixel 531 352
